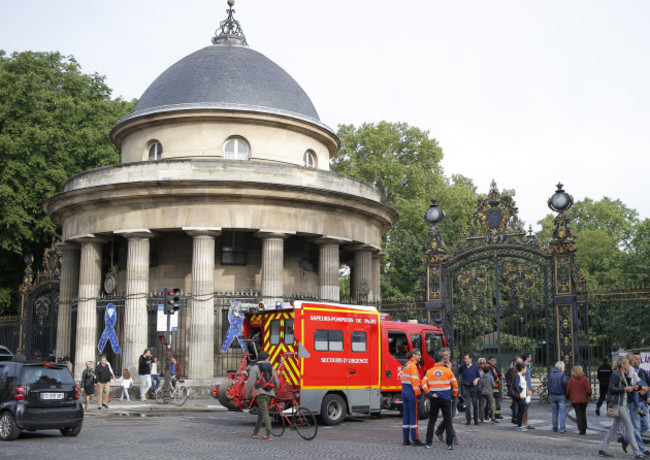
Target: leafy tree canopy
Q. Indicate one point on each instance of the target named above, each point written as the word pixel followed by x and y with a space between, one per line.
pixel 403 163
pixel 54 122
pixel 609 241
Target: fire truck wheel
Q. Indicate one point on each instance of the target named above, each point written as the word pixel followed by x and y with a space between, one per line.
pixel 333 409
pixel 223 397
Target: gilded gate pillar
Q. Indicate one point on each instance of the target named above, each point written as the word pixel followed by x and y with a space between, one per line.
pixel 68 290
pixel 563 248
pixel 434 258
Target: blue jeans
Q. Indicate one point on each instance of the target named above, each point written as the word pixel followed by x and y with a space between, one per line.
pixel 558 404
pixel 155 382
pixel 636 423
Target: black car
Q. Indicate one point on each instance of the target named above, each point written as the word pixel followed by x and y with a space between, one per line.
pixel 5 354
pixel 38 396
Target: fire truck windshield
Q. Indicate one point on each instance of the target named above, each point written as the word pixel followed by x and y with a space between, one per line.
pixel 434 343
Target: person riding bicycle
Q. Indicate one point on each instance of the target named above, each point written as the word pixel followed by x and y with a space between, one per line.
pixel 264 379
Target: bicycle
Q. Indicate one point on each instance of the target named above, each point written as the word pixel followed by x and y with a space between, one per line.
pixel 178 394
pixel 299 419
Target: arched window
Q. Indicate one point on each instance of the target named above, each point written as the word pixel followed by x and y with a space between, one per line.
pixel 309 159
pixel 236 148
pixel 155 151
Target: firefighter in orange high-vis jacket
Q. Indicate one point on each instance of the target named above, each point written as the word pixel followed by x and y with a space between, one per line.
pixel 411 395
pixel 440 385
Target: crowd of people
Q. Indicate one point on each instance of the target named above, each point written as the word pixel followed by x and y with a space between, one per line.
pixel 477 389
pixel 96 379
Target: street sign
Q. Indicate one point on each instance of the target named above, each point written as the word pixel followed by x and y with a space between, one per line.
pixel 161 323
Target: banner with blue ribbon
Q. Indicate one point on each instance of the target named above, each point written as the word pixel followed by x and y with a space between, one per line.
pixel 236 321
pixel 110 318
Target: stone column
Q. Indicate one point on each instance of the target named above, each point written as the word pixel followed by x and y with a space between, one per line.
pixel 272 265
pixel 362 277
pixel 134 339
pixel 69 288
pixel 90 278
pixel 376 275
pixel 200 363
pixel 328 269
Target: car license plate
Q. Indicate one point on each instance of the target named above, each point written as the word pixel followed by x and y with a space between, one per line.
pixel 51 395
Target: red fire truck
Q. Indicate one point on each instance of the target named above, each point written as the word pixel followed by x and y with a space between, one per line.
pixel 342 358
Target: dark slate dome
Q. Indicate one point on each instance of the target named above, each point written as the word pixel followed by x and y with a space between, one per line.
pixel 226 77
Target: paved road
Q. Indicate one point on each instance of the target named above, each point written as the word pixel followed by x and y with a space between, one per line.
pixel 205 430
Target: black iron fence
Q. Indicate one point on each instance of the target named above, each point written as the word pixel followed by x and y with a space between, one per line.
pixel 611 320
pixel 156 338
pixel 10 332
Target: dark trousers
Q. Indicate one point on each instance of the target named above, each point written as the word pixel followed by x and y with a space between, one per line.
pixel 514 407
pixel 445 406
pixel 581 416
pixel 521 409
pixel 497 403
pixel 601 396
pixel 470 394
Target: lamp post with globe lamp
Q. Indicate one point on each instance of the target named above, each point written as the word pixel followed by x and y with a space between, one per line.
pixel 563 248
pixel 434 258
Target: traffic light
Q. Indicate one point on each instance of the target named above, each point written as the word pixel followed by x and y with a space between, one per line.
pixel 171 300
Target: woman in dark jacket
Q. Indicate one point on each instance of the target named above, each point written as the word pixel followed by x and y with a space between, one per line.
pixel 618 394
pixel 578 391
pixel 519 383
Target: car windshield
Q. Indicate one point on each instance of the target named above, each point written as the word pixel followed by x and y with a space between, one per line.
pixel 44 375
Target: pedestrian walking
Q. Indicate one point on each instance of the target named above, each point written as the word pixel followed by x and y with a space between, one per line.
pixel 144 371
pixel 520 389
pixel 263 379
pixel 496 375
pixel 486 396
pixel 604 373
pixel 527 358
pixel 127 384
pixel 578 391
pixel 440 386
pixel 104 374
pixel 618 394
pixel 557 388
pixel 469 379
pixel 88 381
pixel 445 354
pixel 411 396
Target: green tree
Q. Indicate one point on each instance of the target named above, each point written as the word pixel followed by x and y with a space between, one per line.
pixel 637 260
pixel 604 231
pixel 54 122
pixel 403 163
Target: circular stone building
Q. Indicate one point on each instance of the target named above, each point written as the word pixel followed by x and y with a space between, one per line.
pixel 224 187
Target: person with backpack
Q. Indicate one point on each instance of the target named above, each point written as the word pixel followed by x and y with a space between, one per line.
pixel 264 379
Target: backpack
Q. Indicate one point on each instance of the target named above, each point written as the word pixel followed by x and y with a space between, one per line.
pixel 265 379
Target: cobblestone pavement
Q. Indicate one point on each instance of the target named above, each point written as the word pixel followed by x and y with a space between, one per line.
pixel 205 430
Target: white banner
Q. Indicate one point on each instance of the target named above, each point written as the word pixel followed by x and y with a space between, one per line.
pixel 161 325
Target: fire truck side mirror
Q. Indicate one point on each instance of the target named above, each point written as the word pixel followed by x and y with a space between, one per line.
pixel 302 351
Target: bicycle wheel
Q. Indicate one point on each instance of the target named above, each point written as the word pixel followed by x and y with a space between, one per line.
pixel 158 395
pixel 278 423
pixel 180 395
pixel 305 423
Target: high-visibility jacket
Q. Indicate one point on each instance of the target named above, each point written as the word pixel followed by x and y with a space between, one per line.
pixel 440 380
pixel 410 376
pixel 496 374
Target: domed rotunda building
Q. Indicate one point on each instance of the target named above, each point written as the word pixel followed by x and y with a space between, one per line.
pixel 223 189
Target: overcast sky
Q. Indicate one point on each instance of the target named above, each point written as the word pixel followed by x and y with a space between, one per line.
pixel 527 93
